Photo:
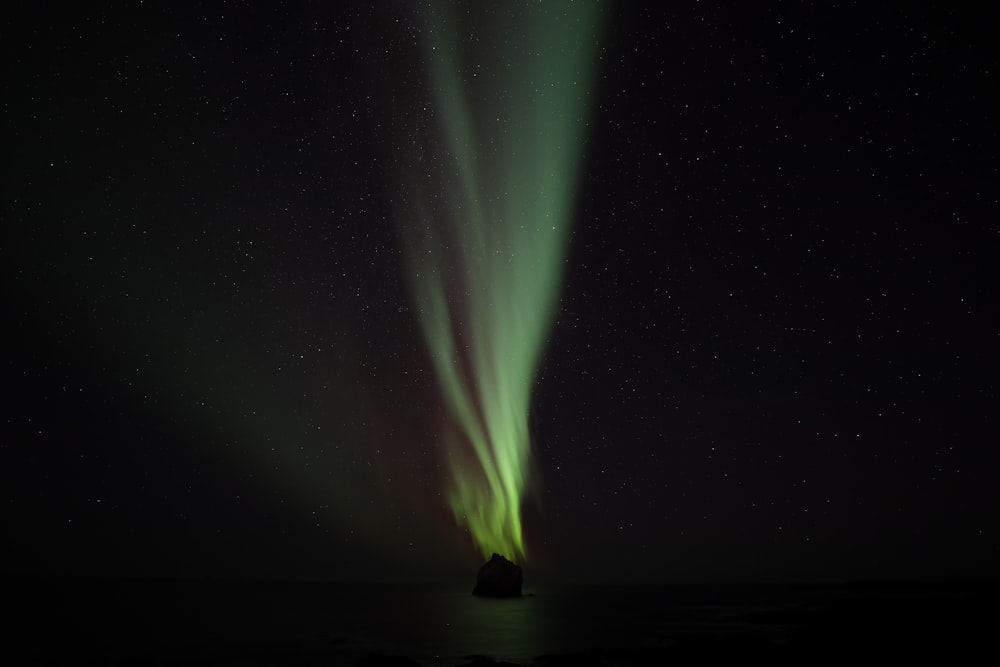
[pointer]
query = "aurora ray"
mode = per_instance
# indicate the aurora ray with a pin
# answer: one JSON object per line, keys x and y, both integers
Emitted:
{"x": 489, "y": 210}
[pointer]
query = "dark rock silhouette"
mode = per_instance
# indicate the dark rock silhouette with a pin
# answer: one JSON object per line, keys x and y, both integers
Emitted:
{"x": 498, "y": 578}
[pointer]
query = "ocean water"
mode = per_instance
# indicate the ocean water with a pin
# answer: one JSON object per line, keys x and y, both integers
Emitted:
{"x": 160, "y": 622}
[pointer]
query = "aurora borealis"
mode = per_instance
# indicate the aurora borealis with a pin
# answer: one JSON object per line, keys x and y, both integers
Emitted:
{"x": 706, "y": 290}
{"x": 487, "y": 236}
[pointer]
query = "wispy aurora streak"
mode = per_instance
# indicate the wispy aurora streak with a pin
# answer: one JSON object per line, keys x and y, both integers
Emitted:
{"x": 491, "y": 201}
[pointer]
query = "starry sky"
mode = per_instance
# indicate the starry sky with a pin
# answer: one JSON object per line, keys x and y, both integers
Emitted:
{"x": 773, "y": 354}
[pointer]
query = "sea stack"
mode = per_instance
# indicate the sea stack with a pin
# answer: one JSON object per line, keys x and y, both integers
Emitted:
{"x": 498, "y": 578}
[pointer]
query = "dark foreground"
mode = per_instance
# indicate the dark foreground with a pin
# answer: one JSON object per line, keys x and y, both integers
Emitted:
{"x": 133, "y": 623}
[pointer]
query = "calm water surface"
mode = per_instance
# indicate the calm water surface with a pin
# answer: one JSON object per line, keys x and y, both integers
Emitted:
{"x": 220, "y": 623}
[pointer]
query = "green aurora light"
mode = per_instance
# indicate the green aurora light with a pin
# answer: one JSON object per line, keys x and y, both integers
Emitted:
{"x": 488, "y": 230}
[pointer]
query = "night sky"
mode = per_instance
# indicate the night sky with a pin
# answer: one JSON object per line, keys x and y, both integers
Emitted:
{"x": 774, "y": 349}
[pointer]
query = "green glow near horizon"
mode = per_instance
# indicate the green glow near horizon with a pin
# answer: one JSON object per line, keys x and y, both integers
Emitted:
{"x": 488, "y": 242}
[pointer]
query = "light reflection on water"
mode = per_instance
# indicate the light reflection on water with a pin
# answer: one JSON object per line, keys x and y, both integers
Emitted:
{"x": 445, "y": 625}
{"x": 514, "y": 629}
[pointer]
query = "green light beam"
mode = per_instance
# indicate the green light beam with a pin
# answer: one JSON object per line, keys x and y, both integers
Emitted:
{"x": 487, "y": 241}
